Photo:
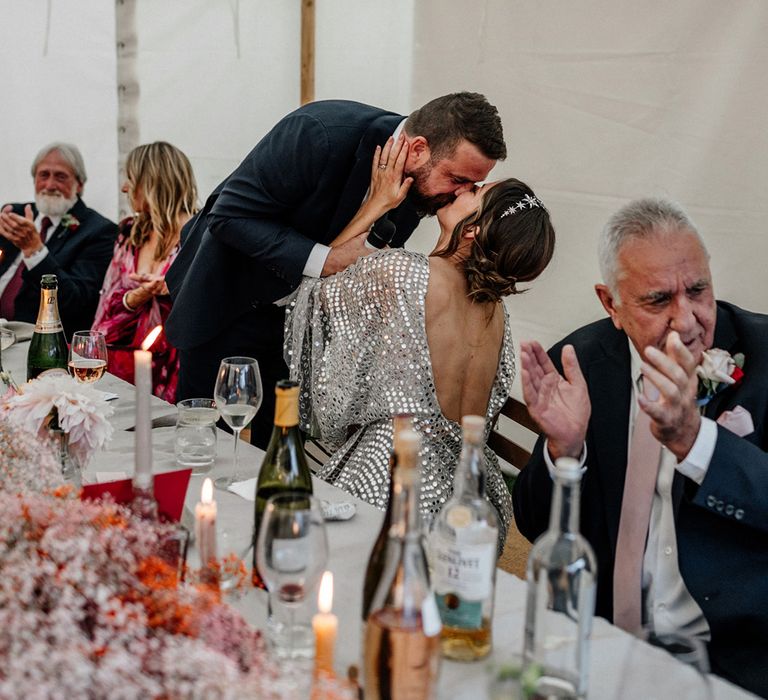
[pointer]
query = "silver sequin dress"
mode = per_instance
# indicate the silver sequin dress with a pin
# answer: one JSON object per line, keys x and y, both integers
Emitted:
{"x": 357, "y": 344}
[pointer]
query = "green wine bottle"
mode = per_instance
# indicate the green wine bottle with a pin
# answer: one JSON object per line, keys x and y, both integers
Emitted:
{"x": 285, "y": 464}
{"x": 48, "y": 348}
{"x": 373, "y": 571}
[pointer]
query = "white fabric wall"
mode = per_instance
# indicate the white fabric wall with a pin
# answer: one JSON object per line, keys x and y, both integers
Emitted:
{"x": 601, "y": 102}
{"x": 57, "y": 83}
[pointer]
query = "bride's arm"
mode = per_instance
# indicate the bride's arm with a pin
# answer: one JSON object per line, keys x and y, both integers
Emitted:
{"x": 388, "y": 188}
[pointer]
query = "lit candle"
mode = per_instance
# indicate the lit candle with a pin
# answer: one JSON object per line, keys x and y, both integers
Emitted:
{"x": 326, "y": 625}
{"x": 205, "y": 533}
{"x": 142, "y": 372}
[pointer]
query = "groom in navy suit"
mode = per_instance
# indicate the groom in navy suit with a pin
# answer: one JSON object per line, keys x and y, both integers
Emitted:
{"x": 270, "y": 222}
{"x": 57, "y": 234}
{"x": 679, "y": 527}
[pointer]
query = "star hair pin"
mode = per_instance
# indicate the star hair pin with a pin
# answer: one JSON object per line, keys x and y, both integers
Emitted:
{"x": 528, "y": 201}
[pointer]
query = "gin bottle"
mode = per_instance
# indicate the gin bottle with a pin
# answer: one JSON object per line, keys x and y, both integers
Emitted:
{"x": 402, "y": 633}
{"x": 561, "y": 596}
{"x": 376, "y": 561}
{"x": 463, "y": 554}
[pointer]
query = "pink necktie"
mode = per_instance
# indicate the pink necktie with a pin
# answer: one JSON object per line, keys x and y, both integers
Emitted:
{"x": 639, "y": 486}
{"x": 11, "y": 291}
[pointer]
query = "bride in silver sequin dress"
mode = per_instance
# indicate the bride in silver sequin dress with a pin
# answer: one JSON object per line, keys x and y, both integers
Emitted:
{"x": 398, "y": 332}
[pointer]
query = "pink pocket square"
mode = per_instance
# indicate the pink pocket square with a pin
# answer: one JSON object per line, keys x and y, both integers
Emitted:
{"x": 738, "y": 421}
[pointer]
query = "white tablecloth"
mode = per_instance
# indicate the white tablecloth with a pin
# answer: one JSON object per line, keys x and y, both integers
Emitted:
{"x": 621, "y": 668}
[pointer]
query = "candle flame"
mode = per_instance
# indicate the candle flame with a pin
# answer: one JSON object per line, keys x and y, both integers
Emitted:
{"x": 325, "y": 596}
{"x": 206, "y": 495}
{"x": 151, "y": 338}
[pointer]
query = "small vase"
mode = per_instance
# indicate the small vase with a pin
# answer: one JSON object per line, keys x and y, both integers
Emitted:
{"x": 70, "y": 465}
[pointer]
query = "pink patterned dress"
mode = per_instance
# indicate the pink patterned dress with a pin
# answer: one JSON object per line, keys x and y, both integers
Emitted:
{"x": 125, "y": 330}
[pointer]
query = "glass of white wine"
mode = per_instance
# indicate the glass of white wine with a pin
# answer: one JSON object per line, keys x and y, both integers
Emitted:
{"x": 238, "y": 395}
{"x": 88, "y": 356}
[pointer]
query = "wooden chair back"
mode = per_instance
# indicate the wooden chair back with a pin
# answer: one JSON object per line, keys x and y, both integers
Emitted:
{"x": 505, "y": 447}
{"x": 516, "y": 549}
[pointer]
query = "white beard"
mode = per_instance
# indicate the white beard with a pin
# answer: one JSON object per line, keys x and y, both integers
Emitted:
{"x": 54, "y": 204}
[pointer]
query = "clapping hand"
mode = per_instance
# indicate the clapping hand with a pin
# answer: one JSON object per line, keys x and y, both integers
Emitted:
{"x": 149, "y": 286}
{"x": 153, "y": 285}
{"x": 20, "y": 230}
{"x": 675, "y": 419}
{"x": 560, "y": 405}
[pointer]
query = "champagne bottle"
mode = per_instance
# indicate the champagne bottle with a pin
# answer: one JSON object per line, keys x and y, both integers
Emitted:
{"x": 402, "y": 633}
{"x": 48, "y": 348}
{"x": 463, "y": 546}
{"x": 375, "y": 567}
{"x": 285, "y": 464}
{"x": 561, "y": 596}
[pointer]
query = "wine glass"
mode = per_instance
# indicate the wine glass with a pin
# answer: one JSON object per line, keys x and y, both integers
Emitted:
{"x": 7, "y": 338}
{"x": 238, "y": 395}
{"x": 88, "y": 356}
{"x": 689, "y": 678}
{"x": 291, "y": 554}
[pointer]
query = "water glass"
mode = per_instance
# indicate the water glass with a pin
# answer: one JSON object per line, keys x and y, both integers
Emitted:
{"x": 195, "y": 439}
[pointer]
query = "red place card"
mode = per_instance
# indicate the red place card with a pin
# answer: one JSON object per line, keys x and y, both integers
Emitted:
{"x": 170, "y": 489}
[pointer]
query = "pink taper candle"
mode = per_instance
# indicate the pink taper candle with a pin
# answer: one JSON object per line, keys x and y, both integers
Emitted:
{"x": 325, "y": 625}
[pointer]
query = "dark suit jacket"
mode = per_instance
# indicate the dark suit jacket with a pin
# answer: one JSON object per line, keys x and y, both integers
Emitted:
{"x": 79, "y": 259}
{"x": 301, "y": 184}
{"x": 722, "y": 525}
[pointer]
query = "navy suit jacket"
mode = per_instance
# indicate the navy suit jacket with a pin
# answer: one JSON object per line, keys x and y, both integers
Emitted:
{"x": 721, "y": 525}
{"x": 300, "y": 185}
{"x": 79, "y": 259}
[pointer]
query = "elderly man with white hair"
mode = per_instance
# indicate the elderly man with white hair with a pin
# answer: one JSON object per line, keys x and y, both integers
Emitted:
{"x": 665, "y": 403}
{"x": 57, "y": 234}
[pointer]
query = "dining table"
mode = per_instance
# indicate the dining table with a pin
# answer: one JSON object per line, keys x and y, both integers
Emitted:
{"x": 621, "y": 667}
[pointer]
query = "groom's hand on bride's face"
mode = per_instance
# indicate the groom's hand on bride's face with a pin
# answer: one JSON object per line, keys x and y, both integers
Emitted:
{"x": 342, "y": 256}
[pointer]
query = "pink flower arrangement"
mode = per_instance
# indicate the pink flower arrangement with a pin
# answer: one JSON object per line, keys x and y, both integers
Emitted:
{"x": 87, "y": 609}
{"x": 27, "y": 462}
{"x": 81, "y": 411}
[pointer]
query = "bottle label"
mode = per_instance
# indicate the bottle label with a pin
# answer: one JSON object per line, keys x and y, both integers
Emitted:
{"x": 456, "y": 612}
{"x": 48, "y": 320}
{"x": 48, "y": 326}
{"x": 430, "y": 616}
{"x": 463, "y": 568}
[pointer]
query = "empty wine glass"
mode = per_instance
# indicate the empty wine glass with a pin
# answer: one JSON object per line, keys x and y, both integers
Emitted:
{"x": 689, "y": 678}
{"x": 7, "y": 338}
{"x": 238, "y": 395}
{"x": 291, "y": 554}
{"x": 88, "y": 356}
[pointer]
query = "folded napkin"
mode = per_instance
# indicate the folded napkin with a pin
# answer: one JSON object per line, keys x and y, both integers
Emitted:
{"x": 21, "y": 329}
{"x": 341, "y": 510}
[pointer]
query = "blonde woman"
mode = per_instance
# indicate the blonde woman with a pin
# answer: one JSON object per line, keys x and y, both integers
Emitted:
{"x": 134, "y": 299}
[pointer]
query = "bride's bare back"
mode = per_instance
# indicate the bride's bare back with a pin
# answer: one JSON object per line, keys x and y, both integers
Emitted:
{"x": 464, "y": 341}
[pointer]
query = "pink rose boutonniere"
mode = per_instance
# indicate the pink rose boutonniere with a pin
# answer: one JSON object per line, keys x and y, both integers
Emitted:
{"x": 717, "y": 370}
{"x": 70, "y": 223}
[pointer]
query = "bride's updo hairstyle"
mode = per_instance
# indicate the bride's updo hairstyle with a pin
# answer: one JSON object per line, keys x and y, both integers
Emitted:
{"x": 514, "y": 241}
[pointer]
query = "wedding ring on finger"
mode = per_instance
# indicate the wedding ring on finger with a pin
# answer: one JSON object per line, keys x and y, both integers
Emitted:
{"x": 382, "y": 166}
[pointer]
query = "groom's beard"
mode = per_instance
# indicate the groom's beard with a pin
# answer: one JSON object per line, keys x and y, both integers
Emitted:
{"x": 426, "y": 205}
{"x": 54, "y": 204}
